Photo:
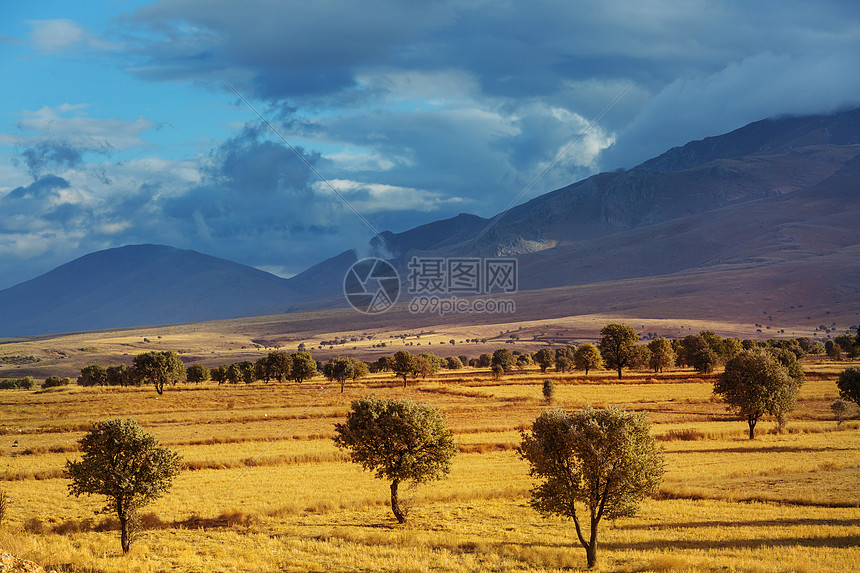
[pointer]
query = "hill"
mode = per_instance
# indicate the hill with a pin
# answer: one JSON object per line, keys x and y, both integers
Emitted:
{"x": 766, "y": 216}
{"x": 139, "y": 285}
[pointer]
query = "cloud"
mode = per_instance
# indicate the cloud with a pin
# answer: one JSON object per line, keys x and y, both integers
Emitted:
{"x": 60, "y": 35}
{"x": 764, "y": 85}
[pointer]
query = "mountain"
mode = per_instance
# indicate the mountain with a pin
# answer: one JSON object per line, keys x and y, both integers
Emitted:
{"x": 139, "y": 285}
{"x": 764, "y": 216}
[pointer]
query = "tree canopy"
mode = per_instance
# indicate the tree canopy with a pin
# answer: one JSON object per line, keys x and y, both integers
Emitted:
{"x": 158, "y": 368}
{"x": 596, "y": 462}
{"x": 617, "y": 342}
{"x": 126, "y": 465}
{"x": 399, "y": 440}
{"x": 756, "y": 382}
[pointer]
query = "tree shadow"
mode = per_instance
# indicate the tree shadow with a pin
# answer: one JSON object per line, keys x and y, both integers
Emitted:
{"x": 756, "y": 523}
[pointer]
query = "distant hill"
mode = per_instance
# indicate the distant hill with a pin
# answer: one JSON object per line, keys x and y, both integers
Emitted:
{"x": 139, "y": 285}
{"x": 764, "y": 216}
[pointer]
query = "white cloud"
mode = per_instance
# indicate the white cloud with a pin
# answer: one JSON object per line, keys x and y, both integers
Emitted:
{"x": 60, "y": 35}
{"x": 375, "y": 197}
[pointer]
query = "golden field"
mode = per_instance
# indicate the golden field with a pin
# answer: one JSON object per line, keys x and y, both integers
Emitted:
{"x": 266, "y": 490}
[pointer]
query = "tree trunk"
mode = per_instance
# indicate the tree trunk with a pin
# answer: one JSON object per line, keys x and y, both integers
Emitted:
{"x": 404, "y": 381}
{"x": 159, "y": 387}
{"x": 619, "y": 372}
{"x": 591, "y": 554}
{"x": 395, "y": 503}
{"x": 752, "y": 422}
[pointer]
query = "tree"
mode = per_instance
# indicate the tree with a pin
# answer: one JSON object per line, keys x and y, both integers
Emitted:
{"x": 398, "y": 439}
{"x": 125, "y": 464}
{"x": 158, "y": 368}
{"x": 279, "y": 364}
{"x": 548, "y": 391}
{"x": 504, "y": 359}
{"x": 640, "y": 357}
{"x": 696, "y": 352}
{"x": 93, "y": 375}
{"x": 604, "y": 460}
{"x": 303, "y": 367}
{"x": 360, "y": 369}
{"x": 339, "y": 368}
{"x": 564, "y": 358}
{"x": 544, "y": 358}
{"x": 662, "y": 355}
{"x": 485, "y": 360}
{"x": 587, "y": 357}
{"x": 219, "y": 374}
{"x": 846, "y": 343}
{"x": 197, "y": 373}
{"x": 428, "y": 364}
{"x": 118, "y": 375}
{"x": 616, "y": 345}
{"x": 849, "y": 385}
{"x": 833, "y": 350}
{"x": 755, "y": 383}
{"x": 453, "y": 363}
{"x": 405, "y": 364}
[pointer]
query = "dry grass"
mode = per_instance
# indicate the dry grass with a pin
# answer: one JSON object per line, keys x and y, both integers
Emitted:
{"x": 270, "y": 492}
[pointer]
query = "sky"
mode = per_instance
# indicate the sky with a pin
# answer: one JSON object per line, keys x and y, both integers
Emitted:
{"x": 120, "y": 121}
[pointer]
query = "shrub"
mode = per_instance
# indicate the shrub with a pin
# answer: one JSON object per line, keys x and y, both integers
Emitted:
{"x": 548, "y": 391}
{"x": 55, "y": 381}
{"x": 840, "y": 408}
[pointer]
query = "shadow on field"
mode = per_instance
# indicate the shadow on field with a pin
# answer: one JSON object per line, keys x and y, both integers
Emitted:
{"x": 843, "y": 541}
{"x": 757, "y": 523}
{"x": 754, "y": 449}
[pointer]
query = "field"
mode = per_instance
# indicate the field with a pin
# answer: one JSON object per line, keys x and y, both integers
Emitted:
{"x": 266, "y": 490}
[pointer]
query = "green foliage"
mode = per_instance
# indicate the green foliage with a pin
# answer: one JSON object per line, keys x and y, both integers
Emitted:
{"x": 25, "y": 383}
{"x": 504, "y": 359}
{"x": 640, "y": 357}
{"x": 564, "y": 358}
{"x": 697, "y": 353}
{"x": 484, "y": 360}
{"x": 617, "y": 344}
{"x": 849, "y": 385}
{"x": 587, "y": 357}
{"x": 399, "y": 440}
{"x": 545, "y": 358}
{"x": 548, "y": 391}
{"x": 158, "y": 368}
{"x": 840, "y": 409}
{"x": 599, "y": 462}
{"x": 197, "y": 373}
{"x": 120, "y": 375}
{"x": 453, "y": 363}
{"x": 303, "y": 367}
{"x": 428, "y": 364}
{"x": 756, "y": 382}
{"x": 93, "y": 375}
{"x": 339, "y": 368}
{"x": 662, "y": 355}
{"x": 55, "y": 381}
{"x": 126, "y": 465}
{"x": 405, "y": 365}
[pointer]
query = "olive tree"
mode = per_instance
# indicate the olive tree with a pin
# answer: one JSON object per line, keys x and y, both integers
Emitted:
{"x": 198, "y": 373}
{"x": 544, "y": 358}
{"x": 662, "y": 355}
{"x": 339, "y": 368}
{"x": 302, "y": 367}
{"x": 591, "y": 463}
{"x": 587, "y": 357}
{"x": 405, "y": 364}
{"x": 617, "y": 343}
{"x": 398, "y": 439}
{"x": 849, "y": 385}
{"x": 756, "y": 382}
{"x": 158, "y": 368}
{"x": 126, "y": 465}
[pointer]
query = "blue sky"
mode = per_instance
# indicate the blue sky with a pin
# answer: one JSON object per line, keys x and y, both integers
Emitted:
{"x": 117, "y": 125}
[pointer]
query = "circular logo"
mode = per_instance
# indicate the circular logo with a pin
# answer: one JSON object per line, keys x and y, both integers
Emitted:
{"x": 371, "y": 286}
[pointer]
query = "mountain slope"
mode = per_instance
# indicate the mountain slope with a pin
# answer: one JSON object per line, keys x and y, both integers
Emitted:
{"x": 138, "y": 285}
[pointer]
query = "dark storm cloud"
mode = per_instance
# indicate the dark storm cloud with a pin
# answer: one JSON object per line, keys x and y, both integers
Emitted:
{"x": 51, "y": 155}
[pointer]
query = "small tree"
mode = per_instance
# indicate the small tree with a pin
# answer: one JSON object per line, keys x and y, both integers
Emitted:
{"x": 849, "y": 385}
{"x": 755, "y": 383}
{"x": 197, "y": 373}
{"x": 696, "y": 352}
{"x": 339, "y": 368}
{"x": 548, "y": 391}
{"x": 587, "y": 357}
{"x": 603, "y": 460}
{"x": 662, "y": 355}
{"x": 544, "y": 358}
{"x": 405, "y": 364}
{"x": 302, "y": 367}
{"x": 158, "y": 368}
{"x": 428, "y": 364}
{"x": 616, "y": 345}
{"x": 564, "y": 358}
{"x": 93, "y": 375}
{"x": 504, "y": 359}
{"x": 840, "y": 408}
{"x": 398, "y": 439}
{"x": 125, "y": 464}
